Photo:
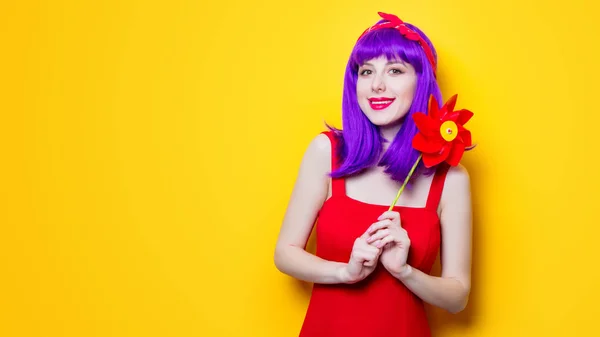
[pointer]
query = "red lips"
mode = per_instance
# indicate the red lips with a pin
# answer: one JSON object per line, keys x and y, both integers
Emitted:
{"x": 380, "y": 103}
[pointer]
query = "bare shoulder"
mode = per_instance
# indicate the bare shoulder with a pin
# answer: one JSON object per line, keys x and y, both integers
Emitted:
{"x": 320, "y": 146}
{"x": 458, "y": 177}
{"x": 318, "y": 152}
{"x": 457, "y": 185}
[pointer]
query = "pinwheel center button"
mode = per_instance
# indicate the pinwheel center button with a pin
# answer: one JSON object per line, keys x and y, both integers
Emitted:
{"x": 449, "y": 130}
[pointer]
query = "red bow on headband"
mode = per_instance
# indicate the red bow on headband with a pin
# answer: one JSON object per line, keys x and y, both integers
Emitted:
{"x": 395, "y": 22}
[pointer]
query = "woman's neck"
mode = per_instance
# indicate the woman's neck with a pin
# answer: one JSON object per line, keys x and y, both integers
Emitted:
{"x": 389, "y": 132}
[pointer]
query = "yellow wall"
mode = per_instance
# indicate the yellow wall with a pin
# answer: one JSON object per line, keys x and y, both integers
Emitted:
{"x": 149, "y": 148}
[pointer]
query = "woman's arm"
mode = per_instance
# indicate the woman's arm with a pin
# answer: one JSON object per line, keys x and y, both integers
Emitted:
{"x": 309, "y": 193}
{"x": 451, "y": 290}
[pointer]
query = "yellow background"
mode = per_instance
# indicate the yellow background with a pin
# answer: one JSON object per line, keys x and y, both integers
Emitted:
{"x": 149, "y": 148}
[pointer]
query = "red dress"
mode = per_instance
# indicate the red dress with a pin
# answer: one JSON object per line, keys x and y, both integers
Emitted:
{"x": 380, "y": 305}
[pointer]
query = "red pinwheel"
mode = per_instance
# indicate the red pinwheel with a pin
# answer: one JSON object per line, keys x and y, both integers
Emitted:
{"x": 442, "y": 136}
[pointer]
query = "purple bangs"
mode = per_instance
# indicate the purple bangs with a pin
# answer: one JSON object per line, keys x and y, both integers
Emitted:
{"x": 360, "y": 140}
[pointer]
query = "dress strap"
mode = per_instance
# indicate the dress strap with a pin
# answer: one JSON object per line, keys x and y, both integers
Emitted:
{"x": 338, "y": 185}
{"x": 437, "y": 186}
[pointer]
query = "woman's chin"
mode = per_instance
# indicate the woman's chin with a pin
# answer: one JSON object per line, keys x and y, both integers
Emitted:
{"x": 386, "y": 123}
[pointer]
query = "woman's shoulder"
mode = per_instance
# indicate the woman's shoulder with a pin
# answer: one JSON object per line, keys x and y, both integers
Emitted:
{"x": 319, "y": 150}
{"x": 323, "y": 142}
{"x": 457, "y": 175}
{"x": 457, "y": 184}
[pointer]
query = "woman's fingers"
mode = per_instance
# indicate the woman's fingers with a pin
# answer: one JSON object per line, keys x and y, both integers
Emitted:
{"x": 368, "y": 253}
{"x": 378, "y": 225}
{"x": 386, "y": 240}
{"x": 369, "y": 263}
{"x": 380, "y": 234}
{"x": 365, "y": 251}
{"x": 366, "y": 257}
{"x": 389, "y": 215}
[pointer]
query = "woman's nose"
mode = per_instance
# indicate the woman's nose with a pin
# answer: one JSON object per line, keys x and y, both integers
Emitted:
{"x": 378, "y": 85}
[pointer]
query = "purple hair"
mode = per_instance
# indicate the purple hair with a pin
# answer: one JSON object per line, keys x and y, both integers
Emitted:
{"x": 360, "y": 141}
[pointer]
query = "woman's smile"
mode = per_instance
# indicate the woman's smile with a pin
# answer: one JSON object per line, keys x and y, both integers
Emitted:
{"x": 380, "y": 103}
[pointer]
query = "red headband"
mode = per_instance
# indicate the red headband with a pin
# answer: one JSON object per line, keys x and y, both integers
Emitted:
{"x": 394, "y": 22}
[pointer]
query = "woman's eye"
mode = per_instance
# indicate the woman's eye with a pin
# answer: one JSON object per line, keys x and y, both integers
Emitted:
{"x": 396, "y": 71}
{"x": 365, "y": 72}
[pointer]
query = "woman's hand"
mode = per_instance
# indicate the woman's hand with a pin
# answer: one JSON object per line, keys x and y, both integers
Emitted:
{"x": 363, "y": 260}
{"x": 388, "y": 234}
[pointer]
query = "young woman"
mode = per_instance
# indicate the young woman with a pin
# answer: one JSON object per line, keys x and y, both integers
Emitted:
{"x": 371, "y": 267}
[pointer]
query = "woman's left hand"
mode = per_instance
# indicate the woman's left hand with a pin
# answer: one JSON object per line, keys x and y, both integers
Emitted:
{"x": 388, "y": 233}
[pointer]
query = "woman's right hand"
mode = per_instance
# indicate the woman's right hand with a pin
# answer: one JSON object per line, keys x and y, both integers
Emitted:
{"x": 363, "y": 260}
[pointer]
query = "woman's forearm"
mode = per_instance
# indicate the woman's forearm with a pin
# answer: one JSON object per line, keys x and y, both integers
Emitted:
{"x": 447, "y": 293}
{"x": 300, "y": 264}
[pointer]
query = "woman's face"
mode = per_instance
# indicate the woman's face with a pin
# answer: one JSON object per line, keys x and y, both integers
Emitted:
{"x": 385, "y": 90}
